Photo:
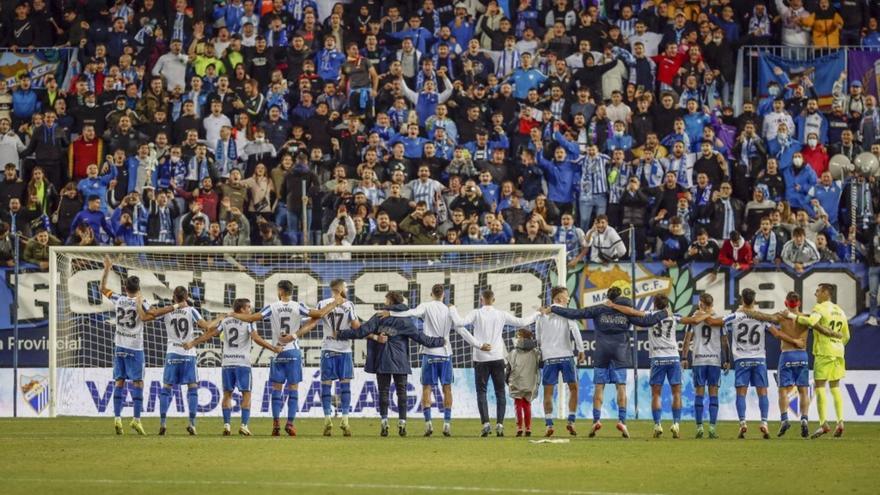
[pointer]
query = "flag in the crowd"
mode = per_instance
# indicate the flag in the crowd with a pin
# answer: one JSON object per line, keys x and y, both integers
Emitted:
{"x": 822, "y": 71}
{"x": 863, "y": 66}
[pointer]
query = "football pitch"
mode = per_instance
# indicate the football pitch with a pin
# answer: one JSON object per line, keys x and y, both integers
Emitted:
{"x": 78, "y": 455}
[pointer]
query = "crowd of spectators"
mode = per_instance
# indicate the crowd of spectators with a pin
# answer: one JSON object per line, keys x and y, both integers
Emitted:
{"x": 243, "y": 122}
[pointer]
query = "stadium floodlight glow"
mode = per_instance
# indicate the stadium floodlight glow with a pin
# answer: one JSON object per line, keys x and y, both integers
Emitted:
{"x": 81, "y": 322}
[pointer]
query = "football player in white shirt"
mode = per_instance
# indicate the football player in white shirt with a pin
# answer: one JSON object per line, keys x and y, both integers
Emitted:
{"x": 749, "y": 360}
{"x": 711, "y": 352}
{"x": 336, "y": 361}
{"x": 489, "y": 326}
{"x": 237, "y": 336}
{"x": 128, "y": 355}
{"x": 180, "y": 359}
{"x": 437, "y": 361}
{"x": 285, "y": 317}
{"x": 555, "y": 336}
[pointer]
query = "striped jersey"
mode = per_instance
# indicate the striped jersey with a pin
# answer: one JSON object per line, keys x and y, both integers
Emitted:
{"x": 129, "y": 327}
{"x": 707, "y": 344}
{"x": 284, "y": 318}
{"x": 339, "y": 318}
{"x": 661, "y": 337}
{"x": 594, "y": 174}
{"x": 748, "y": 334}
{"x": 180, "y": 326}
{"x": 236, "y": 337}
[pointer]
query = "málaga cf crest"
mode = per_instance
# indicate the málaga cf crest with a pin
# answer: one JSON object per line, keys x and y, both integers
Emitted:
{"x": 35, "y": 390}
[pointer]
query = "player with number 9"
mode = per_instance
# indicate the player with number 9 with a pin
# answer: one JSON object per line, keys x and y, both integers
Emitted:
{"x": 711, "y": 352}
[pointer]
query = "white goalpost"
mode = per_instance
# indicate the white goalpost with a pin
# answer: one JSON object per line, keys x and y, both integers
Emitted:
{"x": 81, "y": 322}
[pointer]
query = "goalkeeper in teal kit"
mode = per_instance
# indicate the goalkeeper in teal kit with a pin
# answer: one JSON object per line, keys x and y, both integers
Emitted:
{"x": 611, "y": 357}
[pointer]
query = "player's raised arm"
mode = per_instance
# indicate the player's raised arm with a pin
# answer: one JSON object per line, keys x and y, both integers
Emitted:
{"x": 417, "y": 312}
{"x": 108, "y": 265}
{"x": 515, "y": 321}
{"x": 248, "y": 317}
{"x": 827, "y": 331}
{"x": 573, "y": 313}
{"x": 758, "y": 315}
{"x": 628, "y": 311}
{"x": 142, "y": 312}
{"x": 317, "y": 314}
{"x": 164, "y": 310}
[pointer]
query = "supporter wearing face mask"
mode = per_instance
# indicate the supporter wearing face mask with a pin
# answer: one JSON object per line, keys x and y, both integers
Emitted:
{"x": 798, "y": 181}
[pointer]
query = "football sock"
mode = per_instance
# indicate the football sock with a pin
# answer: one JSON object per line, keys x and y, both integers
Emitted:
{"x": 345, "y": 396}
{"x": 164, "y": 403}
{"x": 118, "y": 397}
{"x": 741, "y": 407}
{"x": 820, "y": 404}
{"x": 192, "y": 401}
{"x": 698, "y": 409}
{"x": 137, "y": 397}
{"x": 764, "y": 406}
{"x": 713, "y": 409}
{"x": 326, "y": 399}
{"x": 838, "y": 403}
{"x": 292, "y": 404}
{"x": 276, "y": 404}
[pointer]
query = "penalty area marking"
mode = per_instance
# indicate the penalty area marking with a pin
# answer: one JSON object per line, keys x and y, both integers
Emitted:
{"x": 295, "y": 484}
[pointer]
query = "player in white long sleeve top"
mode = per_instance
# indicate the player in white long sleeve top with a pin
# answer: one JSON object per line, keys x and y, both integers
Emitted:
{"x": 489, "y": 324}
{"x": 559, "y": 340}
{"x": 436, "y": 361}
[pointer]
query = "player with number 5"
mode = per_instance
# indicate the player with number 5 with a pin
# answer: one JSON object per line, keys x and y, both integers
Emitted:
{"x": 285, "y": 317}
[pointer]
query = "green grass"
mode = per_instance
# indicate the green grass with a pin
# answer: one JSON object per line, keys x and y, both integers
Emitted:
{"x": 75, "y": 455}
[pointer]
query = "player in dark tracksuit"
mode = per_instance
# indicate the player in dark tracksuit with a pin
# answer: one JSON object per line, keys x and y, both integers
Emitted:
{"x": 389, "y": 357}
{"x": 612, "y": 355}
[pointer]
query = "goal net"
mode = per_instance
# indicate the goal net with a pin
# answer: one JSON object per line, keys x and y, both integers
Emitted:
{"x": 81, "y": 370}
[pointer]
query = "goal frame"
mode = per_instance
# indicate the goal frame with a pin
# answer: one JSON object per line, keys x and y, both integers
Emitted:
{"x": 54, "y": 251}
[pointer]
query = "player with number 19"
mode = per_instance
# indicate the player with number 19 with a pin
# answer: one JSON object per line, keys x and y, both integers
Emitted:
{"x": 180, "y": 358}
{"x": 128, "y": 357}
{"x": 749, "y": 360}
{"x": 665, "y": 363}
{"x": 237, "y": 336}
{"x": 285, "y": 317}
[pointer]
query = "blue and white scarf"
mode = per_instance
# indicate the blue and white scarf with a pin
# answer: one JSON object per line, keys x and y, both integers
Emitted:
{"x": 225, "y": 157}
{"x": 765, "y": 248}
